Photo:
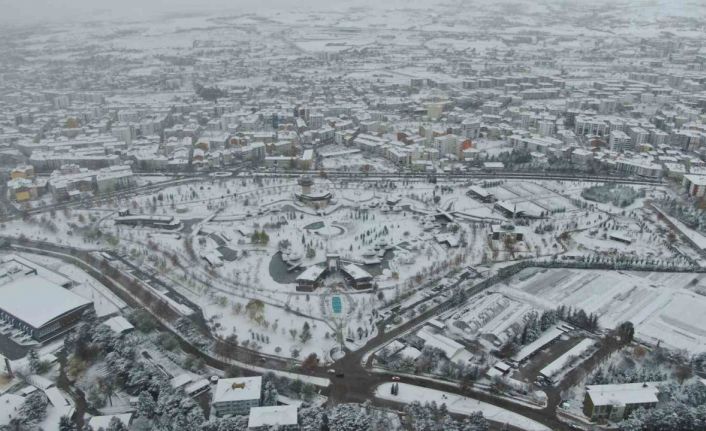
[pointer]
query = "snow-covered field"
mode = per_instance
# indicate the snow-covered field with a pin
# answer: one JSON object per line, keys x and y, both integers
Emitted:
{"x": 664, "y": 307}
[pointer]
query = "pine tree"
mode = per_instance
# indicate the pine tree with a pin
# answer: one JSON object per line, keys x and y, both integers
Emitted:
{"x": 306, "y": 333}
{"x": 33, "y": 360}
{"x": 270, "y": 395}
{"x": 145, "y": 405}
{"x": 66, "y": 424}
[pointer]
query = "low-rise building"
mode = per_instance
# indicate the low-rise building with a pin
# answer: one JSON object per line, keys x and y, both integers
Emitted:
{"x": 233, "y": 397}
{"x": 616, "y": 402}
{"x": 284, "y": 418}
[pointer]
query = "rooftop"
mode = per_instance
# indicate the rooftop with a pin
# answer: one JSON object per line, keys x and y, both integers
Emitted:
{"x": 272, "y": 416}
{"x": 38, "y": 301}
{"x": 623, "y": 394}
{"x": 237, "y": 389}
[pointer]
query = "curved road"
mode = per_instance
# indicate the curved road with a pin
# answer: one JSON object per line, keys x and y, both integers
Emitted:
{"x": 359, "y": 381}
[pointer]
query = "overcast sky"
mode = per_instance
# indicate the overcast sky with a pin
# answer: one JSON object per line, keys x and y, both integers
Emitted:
{"x": 24, "y": 11}
{"x": 31, "y": 11}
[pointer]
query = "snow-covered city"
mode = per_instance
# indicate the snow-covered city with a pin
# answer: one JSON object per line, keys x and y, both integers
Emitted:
{"x": 418, "y": 215}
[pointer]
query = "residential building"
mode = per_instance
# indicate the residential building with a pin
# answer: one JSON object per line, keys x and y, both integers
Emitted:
{"x": 236, "y": 396}
{"x": 283, "y": 418}
{"x": 616, "y": 402}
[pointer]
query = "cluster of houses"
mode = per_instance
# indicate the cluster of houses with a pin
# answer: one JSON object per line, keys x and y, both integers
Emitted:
{"x": 70, "y": 181}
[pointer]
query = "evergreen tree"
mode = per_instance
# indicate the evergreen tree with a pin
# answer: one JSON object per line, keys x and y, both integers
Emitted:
{"x": 33, "y": 360}
{"x": 270, "y": 394}
{"x": 306, "y": 333}
{"x": 66, "y": 424}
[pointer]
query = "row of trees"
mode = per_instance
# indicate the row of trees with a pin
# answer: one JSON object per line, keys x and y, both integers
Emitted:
{"x": 433, "y": 417}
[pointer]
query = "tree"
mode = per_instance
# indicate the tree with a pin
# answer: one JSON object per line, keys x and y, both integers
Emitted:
{"x": 34, "y": 408}
{"x": 146, "y": 406}
{"x": 310, "y": 362}
{"x": 269, "y": 395}
{"x": 306, "y": 333}
{"x": 116, "y": 425}
{"x": 66, "y": 424}
{"x": 33, "y": 360}
{"x": 626, "y": 331}
{"x": 108, "y": 387}
{"x": 255, "y": 309}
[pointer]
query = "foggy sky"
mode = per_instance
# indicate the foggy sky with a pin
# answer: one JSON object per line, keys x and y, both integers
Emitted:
{"x": 23, "y": 12}
{"x": 29, "y": 11}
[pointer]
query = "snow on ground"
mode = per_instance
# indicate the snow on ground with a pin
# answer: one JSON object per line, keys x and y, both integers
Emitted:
{"x": 693, "y": 235}
{"x": 492, "y": 314}
{"x": 457, "y": 404}
{"x": 664, "y": 307}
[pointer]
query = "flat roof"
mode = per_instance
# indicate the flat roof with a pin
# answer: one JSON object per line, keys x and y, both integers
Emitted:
{"x": 197, "y": 386}
{"x": 562, "y": 361}
{"x": 494, "y": 164}
{"x": 37, "y": 301}
{"x": 272, "y": 416}
{"x": 623, "y": 394}
{"x": 237, "y": 389}
{"x": 41, "y": 271}
{"x": 548, "y": 336}
{"x": 119, "y": 324}
{"x": 181, "y": 380}
{"x": 699, "y": 180}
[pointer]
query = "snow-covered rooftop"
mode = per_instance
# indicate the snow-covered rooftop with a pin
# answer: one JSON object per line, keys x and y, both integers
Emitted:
{"x": 546, "y": 337}
{"x": 312, "y": 273}
{"x": 272, "y": 416}
{"x": 562, "y": 361}
{"x": 38, "y": 301}
{"x": 119, "y": 324}
{"x": 356, "y": 272}
{"x": 623, "y": 394}
{"x": 441, "y": 342}
{"x": 237, "y": 389}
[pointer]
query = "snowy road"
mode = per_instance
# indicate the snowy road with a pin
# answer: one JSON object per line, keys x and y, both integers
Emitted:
{"x": 457, "y": 404}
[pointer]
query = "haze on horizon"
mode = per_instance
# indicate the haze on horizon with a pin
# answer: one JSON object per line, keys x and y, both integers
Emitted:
{"x": 53, "y": 11}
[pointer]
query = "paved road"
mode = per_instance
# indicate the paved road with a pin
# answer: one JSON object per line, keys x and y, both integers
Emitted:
{"x": 359, "y": 381}
{"x": 473, "y": 175}
{"x": 12, "y": 212}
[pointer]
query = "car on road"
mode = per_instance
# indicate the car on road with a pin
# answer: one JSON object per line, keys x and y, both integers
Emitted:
{"x": 395, "y": 379}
